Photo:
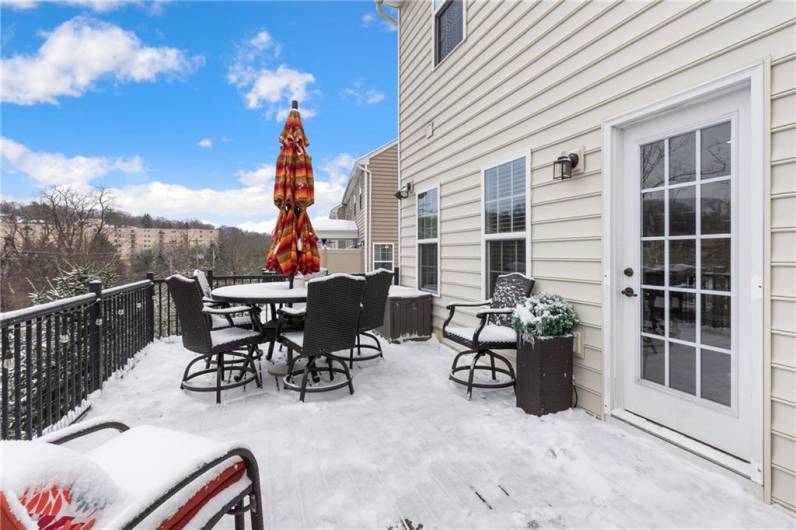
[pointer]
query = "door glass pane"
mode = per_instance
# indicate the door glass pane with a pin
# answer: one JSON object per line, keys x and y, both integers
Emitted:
{"x": 652, "y": 214}
{"x": 682, "y": 316}
{"x": 716, "y": 265}
{"x": 652, "y": 262}
{"x": 682, "y": 215}
{"x": 716, "y": 208}
{"x": 652, "y": 165}
{"x": 682, "y": 367}
{"x": 653, "y": 311}
{"x": 715, "y": 151}
{"x": 715, "y": 373}
{"x": 653, "y": 356}
{"x": 716, "y": 321}
{"x": 682, "y": 263}
{"x": 682, "y": 158}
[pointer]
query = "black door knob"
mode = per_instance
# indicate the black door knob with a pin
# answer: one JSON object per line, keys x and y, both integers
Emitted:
{"x": 628, "y": 291}
{"x": 628, "y": 272}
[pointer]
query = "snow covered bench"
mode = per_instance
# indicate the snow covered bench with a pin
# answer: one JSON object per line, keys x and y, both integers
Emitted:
{"x": 145, "y": 477}
{"x": 407, "y": 315}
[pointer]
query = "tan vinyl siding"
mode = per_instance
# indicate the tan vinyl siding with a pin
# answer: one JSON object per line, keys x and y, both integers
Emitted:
{"x": 383, "y": 168}
{"x": 537, "y": 78}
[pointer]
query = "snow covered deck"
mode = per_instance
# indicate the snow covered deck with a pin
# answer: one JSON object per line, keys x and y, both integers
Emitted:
{"x": 408, "y": 449}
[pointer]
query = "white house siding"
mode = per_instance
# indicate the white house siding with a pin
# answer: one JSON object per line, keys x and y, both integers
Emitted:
{"x": 541, "y": 77}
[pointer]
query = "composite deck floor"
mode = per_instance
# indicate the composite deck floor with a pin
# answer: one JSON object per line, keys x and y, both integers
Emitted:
{"x": 407, "y": 449}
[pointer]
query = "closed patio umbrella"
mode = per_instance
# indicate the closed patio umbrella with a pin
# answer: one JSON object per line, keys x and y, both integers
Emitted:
{"x": 294, "y": 245}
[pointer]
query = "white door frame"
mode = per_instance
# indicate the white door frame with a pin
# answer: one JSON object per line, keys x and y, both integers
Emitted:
{"x": 754, "y": 77}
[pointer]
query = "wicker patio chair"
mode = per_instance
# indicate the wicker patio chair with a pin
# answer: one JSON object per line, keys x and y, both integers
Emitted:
{"x": 145, "y": 477}
{"x": 331, "y": 323}
{"x": 221, "y": 346}
{"x": 219, "y": 321}
{"x": 494, "y": 332}
{"x": 377, "y": 288}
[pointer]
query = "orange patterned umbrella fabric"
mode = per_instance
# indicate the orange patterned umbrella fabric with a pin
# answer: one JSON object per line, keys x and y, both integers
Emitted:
{"x": 294, "y": 245}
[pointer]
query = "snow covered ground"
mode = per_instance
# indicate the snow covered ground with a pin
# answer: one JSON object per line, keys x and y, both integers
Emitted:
{"x": 407, "y": 449}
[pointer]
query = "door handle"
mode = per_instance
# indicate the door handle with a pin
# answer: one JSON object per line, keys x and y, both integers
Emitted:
{"x": 629, "y": 292}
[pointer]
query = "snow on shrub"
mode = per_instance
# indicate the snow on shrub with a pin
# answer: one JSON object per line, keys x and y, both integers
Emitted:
{"x": 544, "y": 315}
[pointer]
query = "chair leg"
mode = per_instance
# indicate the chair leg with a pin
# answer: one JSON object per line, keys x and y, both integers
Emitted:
{"x": 310, "y": 362}
{"x": 459, "y": 356}
{"x": 219, "y": 375}
{"x": 256, "y": 511}
{"x": 492, "y": 360}
{"x": 471, "y": 374}
{"x": 270, "y": 350}
{"x": 359, "y": 346}
{"x": 348, "y": 376}
{"x": 240, "y": 517}
{"x": 351, "y": 357}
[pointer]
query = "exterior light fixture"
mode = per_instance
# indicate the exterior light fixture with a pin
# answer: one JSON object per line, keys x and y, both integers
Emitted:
{"x": 404, "y": 192}
{"x": 563, "y": 166}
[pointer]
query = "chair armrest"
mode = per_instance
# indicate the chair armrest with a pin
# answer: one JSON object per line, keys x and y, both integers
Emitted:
{"x": 495, "y": 311}
{"x": 226, "y": 310}
{"x": 292, "y": 312}
{"x": 469, "y": 304}
{"x": 81, "y": 429}
{"x": 211, "y": 461}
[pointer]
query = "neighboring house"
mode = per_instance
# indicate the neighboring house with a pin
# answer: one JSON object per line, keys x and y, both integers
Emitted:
{"x": 682, "y": 115}
{"x": 369, "y": 200}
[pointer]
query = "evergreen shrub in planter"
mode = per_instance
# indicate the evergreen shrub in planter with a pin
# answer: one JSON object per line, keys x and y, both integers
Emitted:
{"x": 544, "y": 324}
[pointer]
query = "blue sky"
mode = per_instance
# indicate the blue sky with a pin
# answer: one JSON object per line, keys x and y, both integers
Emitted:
{"x": 176, "y": 106}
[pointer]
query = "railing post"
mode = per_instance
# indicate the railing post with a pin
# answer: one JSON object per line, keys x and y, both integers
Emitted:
{"x": 94, "y": 326}
{"x": 209, "y": 275}
{"x": 150, "y": 307}
{"x": 396, "y": 277}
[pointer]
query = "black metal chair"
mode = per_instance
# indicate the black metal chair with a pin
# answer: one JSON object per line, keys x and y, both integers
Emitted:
{"x": 494, "y": 332}
{"x": 377, "y": 288}
{"x": 331, "y": 323}
{"x": 220, "y": 346}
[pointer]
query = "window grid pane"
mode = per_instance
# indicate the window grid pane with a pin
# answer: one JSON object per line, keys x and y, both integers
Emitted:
{"x": 449, "y": 27}
{"x": 427, "y": 265}
{"x": 504, "y": 198}
{"x": 427, "y": 215}
{"x": 503, "y": 257}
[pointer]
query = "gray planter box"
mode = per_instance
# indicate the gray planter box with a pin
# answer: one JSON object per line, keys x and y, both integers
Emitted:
{"x": 407, "y": 315}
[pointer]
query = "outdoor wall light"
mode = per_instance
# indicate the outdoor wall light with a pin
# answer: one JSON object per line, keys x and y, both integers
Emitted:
{"x": 404, "y": 192}
{"x": 562, "y": 167}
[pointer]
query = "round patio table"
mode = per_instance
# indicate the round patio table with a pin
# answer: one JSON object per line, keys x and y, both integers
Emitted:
{"x": 261, "y": 293}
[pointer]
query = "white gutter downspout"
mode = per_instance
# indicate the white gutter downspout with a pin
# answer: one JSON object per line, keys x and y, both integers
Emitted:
{"x": 386, "y": 16}
{"x": 368, "y": 204}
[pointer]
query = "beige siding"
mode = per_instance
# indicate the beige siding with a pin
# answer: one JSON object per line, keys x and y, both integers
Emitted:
{"x": 383, "y": 227}
{"x": 539, "y": 77}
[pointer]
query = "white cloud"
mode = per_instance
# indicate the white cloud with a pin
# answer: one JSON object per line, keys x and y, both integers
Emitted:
{"x": 338, "y": 168}
{"x": 250, "y": 207}
{"x": 266, "y": 86}
{"x": 205, "y": 143}
{"x": 262, "y": 176}
{"x": 99, "y": 6}
{"x": 361, "y": 95}
{"x": 80, "y": 52}
{"x": 55, "y": 169}
{"x": 369, "y": 20}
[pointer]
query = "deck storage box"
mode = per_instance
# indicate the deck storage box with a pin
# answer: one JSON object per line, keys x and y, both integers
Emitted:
{"x": 407, "y": 315}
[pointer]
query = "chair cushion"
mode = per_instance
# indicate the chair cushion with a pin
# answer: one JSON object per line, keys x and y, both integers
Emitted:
{"x": 46, "y": 485}
{"x": 220, "y": 321}
{"x": 490, "y": 335}
{"x": 294, "y": 337}
{"x": 230, "y": 338}
{"x": 146, "y": 461}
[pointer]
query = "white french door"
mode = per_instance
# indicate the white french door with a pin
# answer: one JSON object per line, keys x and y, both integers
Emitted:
{"x": 690, "y": 255}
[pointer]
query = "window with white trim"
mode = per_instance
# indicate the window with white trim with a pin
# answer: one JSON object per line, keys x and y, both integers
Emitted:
{"x": 383, "y": 256}
{"x": 428, "y": 240}
{"x": 448, "y": 27}
{"x": 504, "y": 220}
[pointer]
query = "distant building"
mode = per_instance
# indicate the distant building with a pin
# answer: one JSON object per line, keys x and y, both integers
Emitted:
{"x": 128, "y": 240}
